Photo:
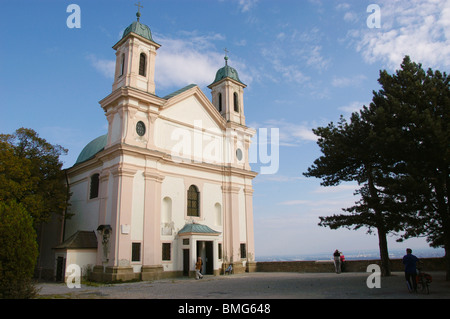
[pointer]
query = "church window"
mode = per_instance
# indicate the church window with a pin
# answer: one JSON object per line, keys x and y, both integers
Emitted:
{"x": 220, "y": 102}
{"x": 140, "y": 128}
{"x": 236, "y": 102}
{"x": 239, "y": 154}
{"x": 218, "y": 213}
{"x": 166, "y": 251}
{"x": 136, "y": 252}
{"x": 219, "y": 255}
{"x": 93, "y": 193}
{"x": 193, "y": 201}
{"x": 243, "y": 251}
{"x": 122, "y": 64}
{"x": 142, "y": 64}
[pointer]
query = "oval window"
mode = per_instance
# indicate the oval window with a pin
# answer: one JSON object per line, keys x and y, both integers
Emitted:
{"x": 140, "y": 128}
{"x": 239, "y": 154}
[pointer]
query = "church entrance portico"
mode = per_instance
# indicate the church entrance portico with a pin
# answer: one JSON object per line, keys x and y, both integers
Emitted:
{"x": 206, "y": 252}
{"x": 199, "y": 241}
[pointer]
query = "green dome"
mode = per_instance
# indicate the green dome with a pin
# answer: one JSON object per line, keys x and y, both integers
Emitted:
{"x": 90, "y": 150}
{"x": 227, "y": 72}
{"x": 139, "y": 29}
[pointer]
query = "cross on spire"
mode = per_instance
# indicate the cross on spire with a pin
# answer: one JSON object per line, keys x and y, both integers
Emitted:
{"x": 138, "y": 14}
{"x": 226, "y": 56}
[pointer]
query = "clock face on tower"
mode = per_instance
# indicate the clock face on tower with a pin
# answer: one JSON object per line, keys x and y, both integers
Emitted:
{"x": 140, "y": 128}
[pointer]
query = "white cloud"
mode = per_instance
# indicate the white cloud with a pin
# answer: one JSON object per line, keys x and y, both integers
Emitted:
{"x": 193, "y": 59}
{"x": 353, "y": 107}
{"x": 342, "y": 6}
{"x": 418, "y": 28}
{"x": 291, "y": 134}
{"x": 288, "y": 71}
{"x": 351, "y": 16}
{"x": 279, "y": 178}
{"x": 104, "y": 66}
{"x": 189, "y": 58}
{"x": 341, "y": 82}
{"x": 246, "y": 5}
{"x": 316, "y": 60}
{"x": 336, "y": 189}
{"x": 184, "y": 61}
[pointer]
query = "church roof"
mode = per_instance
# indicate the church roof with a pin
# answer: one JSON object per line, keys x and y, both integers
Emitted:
{"x": 80, "y": 240}
{"x": 197, "y": 229}
{"x": 226, "y": 72}
{"x": 140, "y": 29}
{"x": 90, "y": 150}
{"x": 190, "y": 86}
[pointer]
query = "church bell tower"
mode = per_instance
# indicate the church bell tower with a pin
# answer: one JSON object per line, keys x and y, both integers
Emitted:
{"x": 228, "y": 94}
{"x": 135, "y": 58}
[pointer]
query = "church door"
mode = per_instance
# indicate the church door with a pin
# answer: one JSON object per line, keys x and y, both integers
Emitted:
{"x": 60, "y": 268}
{"x": 205, "y": 251}
{"x": 185, "y": 262}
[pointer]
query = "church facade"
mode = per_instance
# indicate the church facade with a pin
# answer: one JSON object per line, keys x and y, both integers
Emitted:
{"x": 168, "y": 183}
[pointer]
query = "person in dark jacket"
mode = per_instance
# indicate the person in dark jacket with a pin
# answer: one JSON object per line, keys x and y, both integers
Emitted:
{"x": 410, "y": 261}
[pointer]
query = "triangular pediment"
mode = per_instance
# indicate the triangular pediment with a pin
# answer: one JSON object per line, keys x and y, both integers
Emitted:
{"x": 190, "y": 105}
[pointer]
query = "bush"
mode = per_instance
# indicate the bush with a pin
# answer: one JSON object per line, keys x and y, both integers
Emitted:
{"x": 18, "y": 251}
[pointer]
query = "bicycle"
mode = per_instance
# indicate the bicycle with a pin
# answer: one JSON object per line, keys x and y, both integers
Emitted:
{"x": 423, "y": 280}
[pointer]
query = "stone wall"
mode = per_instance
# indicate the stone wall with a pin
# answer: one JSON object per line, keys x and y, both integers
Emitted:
{"x": 429, "y": 264}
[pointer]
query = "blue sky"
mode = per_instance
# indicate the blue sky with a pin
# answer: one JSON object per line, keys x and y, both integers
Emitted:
{"x": 305, "y": 62}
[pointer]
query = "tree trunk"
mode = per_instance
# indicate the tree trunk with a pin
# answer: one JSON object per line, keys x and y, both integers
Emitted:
{"x": 447, "y": 264}
{"x": 384, "y": 253}
{"x": 382, "y": 241}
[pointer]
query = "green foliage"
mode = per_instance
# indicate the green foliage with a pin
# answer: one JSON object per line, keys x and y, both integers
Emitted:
{"x": 31, "y": 174}
{"x": 18, "y": 251}
{"x": 398, "y": 150}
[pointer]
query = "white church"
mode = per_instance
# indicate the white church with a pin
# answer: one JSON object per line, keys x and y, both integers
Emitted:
{"x": 169, "y": 182}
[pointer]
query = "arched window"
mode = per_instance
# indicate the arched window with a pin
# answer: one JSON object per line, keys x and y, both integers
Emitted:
{"x": 93, "y": 192}
{"x": 193, "y": 201}
{"x": 122, "y": 64}
{"x": 142, "y": 64}
{"x": 218, "y": 213}
{"x": 166, "y": 216}
{"x": 220, "y": 102}
{"x": 236, "y": 102}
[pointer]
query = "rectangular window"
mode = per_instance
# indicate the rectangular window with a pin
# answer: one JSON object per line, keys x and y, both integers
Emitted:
{"x": 142, "y": 64}
{"x": 166, "y": 251}
{"x": 136, "y": 252}
{"x": 186, "y": 241}
{"x": 220, "y": 251}
{"x": 95, "y": 183}
{"x": 243, "y": 251}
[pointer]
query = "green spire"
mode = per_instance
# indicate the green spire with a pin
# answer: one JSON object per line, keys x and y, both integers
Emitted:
{"x": 226, "y": 72}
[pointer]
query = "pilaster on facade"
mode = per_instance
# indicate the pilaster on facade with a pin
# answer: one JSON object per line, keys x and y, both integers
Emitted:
{"x": 152, "y": 259}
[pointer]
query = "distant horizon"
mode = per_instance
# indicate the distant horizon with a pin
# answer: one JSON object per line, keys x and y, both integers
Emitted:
{"x": 421, "y": 252}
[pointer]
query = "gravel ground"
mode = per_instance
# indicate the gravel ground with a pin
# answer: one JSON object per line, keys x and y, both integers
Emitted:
{"x": 254, "y": 286}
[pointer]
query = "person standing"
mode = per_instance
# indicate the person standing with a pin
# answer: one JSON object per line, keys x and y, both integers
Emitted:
{"x": 410, "y": 261}
{"x": 337, "y": 261}
{"x": 342, "y": 257}
{"x": 198, "y": 268}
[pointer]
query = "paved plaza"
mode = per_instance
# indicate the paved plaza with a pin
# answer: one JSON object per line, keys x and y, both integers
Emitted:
{"x": 254, "y": 286}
